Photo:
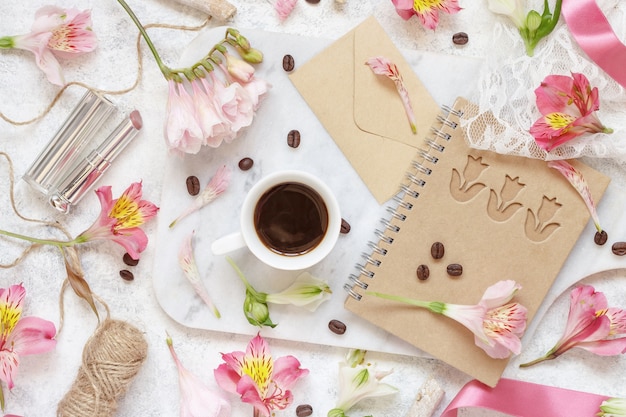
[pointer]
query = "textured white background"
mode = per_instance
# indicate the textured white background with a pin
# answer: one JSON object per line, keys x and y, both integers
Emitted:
{"x": 44, "y": 379}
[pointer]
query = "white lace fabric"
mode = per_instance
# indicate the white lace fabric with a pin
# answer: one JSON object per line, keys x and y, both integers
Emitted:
{"x": 506, "y": 108}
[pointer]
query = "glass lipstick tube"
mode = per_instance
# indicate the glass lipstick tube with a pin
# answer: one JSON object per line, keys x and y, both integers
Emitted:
{"x": 88, "y": 171}
{"x": 66, "y": 145}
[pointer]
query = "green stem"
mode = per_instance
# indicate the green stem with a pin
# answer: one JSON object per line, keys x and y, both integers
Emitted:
{"x": 547, "y": 357}
{"x": 242, "y": 277}
{"x": 434, "y": 306}
{"x": 167, "y": 72}
{"x": 57, "y": 243}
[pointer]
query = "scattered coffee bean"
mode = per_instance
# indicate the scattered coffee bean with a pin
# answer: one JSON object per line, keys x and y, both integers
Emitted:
{"x": 127, "y": 275}
{"x": 454, "y": 270}
{"x": 293, "y": 138}
{"x": 600, "y": 238}
{"x": 313, "y": 1}
{"x": 337, "y": 326}
{"x": 193, "y": 185}
{"x": 437, "y": 250}
{"x": 304, "y": 410}
{"x": 619, "y": 248}
{"x": 345, "y": 226}
{"x": 245, "y": 164}
{"x": 460, "y": 38}
{"x": 128, "y": 260}
{"x": 423, "y": 272}
{"x": 288, "y": 63}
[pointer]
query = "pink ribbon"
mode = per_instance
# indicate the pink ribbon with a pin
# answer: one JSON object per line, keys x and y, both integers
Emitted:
{"x": 525, "y": 399}
{"x": 594, "y": 34}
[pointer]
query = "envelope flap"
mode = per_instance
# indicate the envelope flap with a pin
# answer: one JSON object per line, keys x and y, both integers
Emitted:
{"x": 378, "y": 108}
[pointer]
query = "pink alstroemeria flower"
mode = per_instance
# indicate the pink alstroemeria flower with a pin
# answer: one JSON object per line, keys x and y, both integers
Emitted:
{"x": 183, "y": 133}
{"x": 591, "y": 325}
{"x": 497, "y": 324}
{"x": 196, "y": 399}
{"x": 568, "y": 106}
{"x": 259, "y": 379}
{"x": 20, "y": 336}
{"x": 382, "y": 66}
{"x": 426, "y": 10}
{"x": 577, "y": 180}
{"x": 55, "y": 32}
{"x": 120, "y": 219}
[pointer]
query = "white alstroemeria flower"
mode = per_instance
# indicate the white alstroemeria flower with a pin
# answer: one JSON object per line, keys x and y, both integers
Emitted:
{"x": 358, "y": 381}
{"x": 306, "y": 291}
{"x": 514, "y": 9}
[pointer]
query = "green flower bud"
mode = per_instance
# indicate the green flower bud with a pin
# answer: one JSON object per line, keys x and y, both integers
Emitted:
{"x": 533, "y": 21}
{"x": 251, "y": 56}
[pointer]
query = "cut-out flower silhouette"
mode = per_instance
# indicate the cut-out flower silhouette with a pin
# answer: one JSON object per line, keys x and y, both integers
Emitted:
{"x": 56, "y": 32}
{"x": 568, "y": 106}
{"x": 20, "y": 336}
{"x": 591, "y": 325}
{"x": 496, "y": 323}
{"x": 260, "y": 380}
{"x": 427, "y": 11}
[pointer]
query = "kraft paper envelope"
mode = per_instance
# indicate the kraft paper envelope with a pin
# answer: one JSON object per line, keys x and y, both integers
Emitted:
{"x": 363, "y": 111}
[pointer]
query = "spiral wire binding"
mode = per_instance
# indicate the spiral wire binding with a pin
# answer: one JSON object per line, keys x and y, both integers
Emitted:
{"x": 378, "y": 249}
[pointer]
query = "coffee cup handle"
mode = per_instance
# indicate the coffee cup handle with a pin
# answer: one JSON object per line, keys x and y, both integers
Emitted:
{"x": 228, "y": 243}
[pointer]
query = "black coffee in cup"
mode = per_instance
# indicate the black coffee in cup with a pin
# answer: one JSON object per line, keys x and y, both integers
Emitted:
{"x": 291, "y": 218}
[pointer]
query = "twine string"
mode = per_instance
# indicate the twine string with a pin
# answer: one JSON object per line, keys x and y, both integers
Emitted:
{"x": 101, "y": 91}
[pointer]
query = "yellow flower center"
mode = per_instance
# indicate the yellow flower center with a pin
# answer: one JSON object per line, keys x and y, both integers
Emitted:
{"x": 260, "y": 370}
{"x": 127, "y": 213}
{"x": 421, "y": 6}
{"x": 559, "y": 121}
{"x": 9, "y": 316}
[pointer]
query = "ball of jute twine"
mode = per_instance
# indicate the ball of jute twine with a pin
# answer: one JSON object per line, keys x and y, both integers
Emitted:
{"x": 111, "y": 358}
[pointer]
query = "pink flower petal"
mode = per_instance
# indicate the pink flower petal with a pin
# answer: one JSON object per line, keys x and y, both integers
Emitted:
{"x": 382, "y": 66}
{"x": 579, "y": 183}
{"x": 284, "y": 8}
{"x": 32, "y": 335}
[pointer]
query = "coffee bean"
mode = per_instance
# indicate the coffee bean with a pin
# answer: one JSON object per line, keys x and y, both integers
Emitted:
{"x": 337, "y": 326}
{"x": 423, "y": 272}
{"x": 193, "y": 185}
{"x": 245, "y": 164}
{"x": 313, "y": 1}
{"x": 619, "y": 248}
{"x": 293, "y": 138}
{"x": 288, "y": 63}
{"x": 127, "y": 275}
{"x": 345, "y": 226}
{"x": 600, "y": 238}
{"x": 460, "y": 38}
{"x": 304, "y": 410}
{"x": 128, "y": 260}
{"x": 454, "y": 270}
{"x": 437, "y": 250}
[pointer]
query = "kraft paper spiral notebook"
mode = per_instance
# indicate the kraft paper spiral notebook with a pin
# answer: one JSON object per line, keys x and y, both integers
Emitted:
{"x": 499, "y": 217}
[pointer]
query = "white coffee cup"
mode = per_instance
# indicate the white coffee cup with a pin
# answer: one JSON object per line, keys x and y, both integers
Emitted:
{"x": 264, "y": 230}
